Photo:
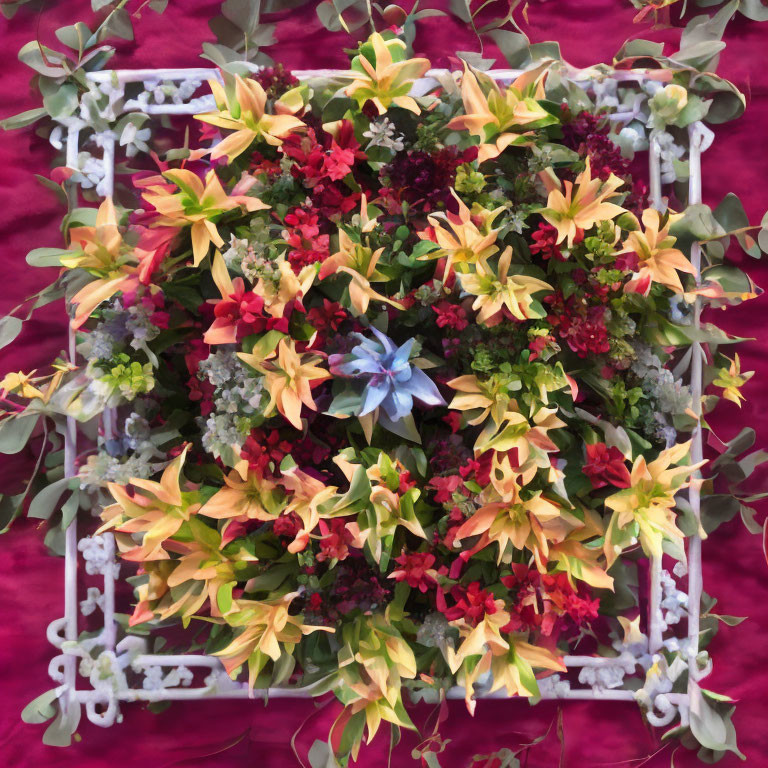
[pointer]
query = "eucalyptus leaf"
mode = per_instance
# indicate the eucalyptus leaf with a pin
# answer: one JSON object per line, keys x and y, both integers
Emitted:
{"x": 44, "y": 504}
{"x": 10, "y": 328}
{"x": 15, "y": 432}
{"x": 23, "y": 119}
{"x": 46, "y": 257}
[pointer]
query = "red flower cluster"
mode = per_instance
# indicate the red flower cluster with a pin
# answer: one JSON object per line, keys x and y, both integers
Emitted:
{"x": 543, "y": 602}
{"x": 588, "y": 135}
{"x": 450, "y": 315}
{"x": 471, "y": 603}
{"x": 416, "y": 568}
{"x": 606, "y": 465}
{"x": 307, "y": 244}
{"x": 262, "y": 448}
{"x": 335, "y": 541}
{"x": 580, "y": 325}
{"x": 321, "y": 162}
{"x": 546, "y": 242}
{"x": 275, "y": 80}
{"x": 422, "y": 179}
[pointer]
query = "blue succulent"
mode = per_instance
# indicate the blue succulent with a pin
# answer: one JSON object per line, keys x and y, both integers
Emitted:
{"x": 392, "y": 382}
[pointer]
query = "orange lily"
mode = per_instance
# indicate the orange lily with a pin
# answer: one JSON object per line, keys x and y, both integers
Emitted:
{"x": 246, "y": 115}
{"x": 511, "y": 520}
{"x": 460, "y": 239}
{"x": 498, "y": 290}
{"x": 158, "y": 512}
{"x": 288, "y": 379}
{"x": 308, "y": 494}
{"x": 388, "y": 79}
{"x": 583, "y": 205}
{"x": 289, "y": 287}
{"x": 659, "y": 261}
{"x": 731, "y": 379}
{"x": 98, "y": 250}
{"x": 246, "y": 495}
{"x": 645, "y": 510}
{"x": 500, "y": 118}
{"x": 266, "y": 626}
{"x": 359, "y": 262}
{"x": 198, "y": 205}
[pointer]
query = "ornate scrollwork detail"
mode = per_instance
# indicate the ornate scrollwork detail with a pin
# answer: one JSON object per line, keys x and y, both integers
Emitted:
{"x": 98, "y": 556}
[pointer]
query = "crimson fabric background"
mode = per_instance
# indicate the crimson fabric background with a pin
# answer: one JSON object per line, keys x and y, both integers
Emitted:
{"x": 203, "y": 733}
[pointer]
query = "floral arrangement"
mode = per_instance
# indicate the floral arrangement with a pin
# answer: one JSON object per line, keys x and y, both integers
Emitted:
{"x": 396, "y": 377}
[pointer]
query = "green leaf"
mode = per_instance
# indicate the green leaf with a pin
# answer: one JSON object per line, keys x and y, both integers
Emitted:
{"x": 31, "y": 54}
{"x": 118, "y": 24}
{"x": 15, "y": 432}
{"x": 10, "y": 328}
{"x": 754, "y": 9}
{"x": 244, "y": 14}
{"x": 224, "y": 596}
{"x": 46, "y": 257}
{"x": 75, "y": 36}
{"x": 59, "y": 732}
{"x": 10, "y": 509}
{"x": 97, "y": 5}
{"x": 23, "y": 119}
{"x": 44, "y": 504}
{"x": 41, "y": 709}
{"x": 62, "y": 102}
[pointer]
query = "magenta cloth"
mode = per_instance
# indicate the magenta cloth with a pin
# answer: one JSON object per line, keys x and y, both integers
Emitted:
{"x": 201, "y": 734}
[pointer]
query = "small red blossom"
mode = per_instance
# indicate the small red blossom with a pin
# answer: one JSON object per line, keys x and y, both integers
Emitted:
{"x": 445, "y": 486}
{"x": 606, "y": 465}
{"x": 416, "y": 568}
{"x": 328, "y": 317}
{"x": 545, "y": 238}
{"x": 335, "y": 541}
{"x": 315, "y": 602}
{"x": 453, "y": 420}
{"x": 450, "y": 315}
{"x": 262, "y": 449}
{"x": 287, "y": 525}
{"x": 544, "y": 602}
{"x": 472, "y": 603}
{"x": 406, "y": 483}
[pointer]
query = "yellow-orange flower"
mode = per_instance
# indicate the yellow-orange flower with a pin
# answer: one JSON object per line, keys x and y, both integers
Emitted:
{"x": 265, "y": 630}
{"x": 359, "y": 262}
{"x": 511, "y": 661}
{"x": 731, "y": 379}
{"x": 460, "y": 239}
{"x": 246, "y": 495}
{"x": 288, "y": 379}
{"x": 583, "y": 205}
{"x": 99, "y": 250}
{"x": 645, "y": 510}
{"x": 659, "y": 261}
{"x": 497, "y": 290}
{"x": 501, "y": 118}
{"x": 386, "y": 80}
{"x": 511, "y": 520}
{"x": 155, "y": 509}
{"x": 246, "y": 115}
{"x": 197, "y": 205}
{"x": 308, "y": 495}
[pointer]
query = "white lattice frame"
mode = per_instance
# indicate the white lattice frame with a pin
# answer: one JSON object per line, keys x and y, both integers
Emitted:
{"x": 106, "y": 672}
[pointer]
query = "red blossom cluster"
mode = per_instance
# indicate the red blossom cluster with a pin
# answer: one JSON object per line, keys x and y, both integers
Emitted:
{"x": 544, "y": 602}
{"x": 321, "y": 162}
{"x": 580, "y": 324}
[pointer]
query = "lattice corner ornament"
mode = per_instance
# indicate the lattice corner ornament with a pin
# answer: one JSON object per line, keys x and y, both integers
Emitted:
{"x": 113, "y": 672}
